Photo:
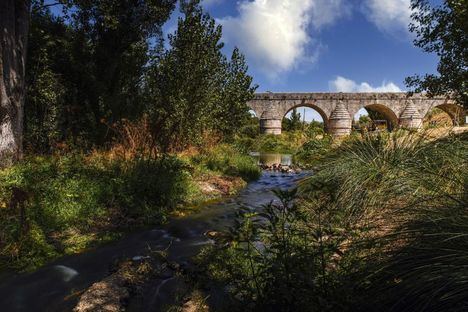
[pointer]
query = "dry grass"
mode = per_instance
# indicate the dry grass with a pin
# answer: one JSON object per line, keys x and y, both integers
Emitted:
{"x": 134, "y": 139}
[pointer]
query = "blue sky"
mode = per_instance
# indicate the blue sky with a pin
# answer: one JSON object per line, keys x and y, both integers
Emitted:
{"x": 322, "y": 45}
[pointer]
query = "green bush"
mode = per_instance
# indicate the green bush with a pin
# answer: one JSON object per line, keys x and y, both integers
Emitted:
{"x": 287, "y": 142}
{"x": 279, "y": 259}
{"x": 313, "y": 150}
{"x": 228, "y": 160}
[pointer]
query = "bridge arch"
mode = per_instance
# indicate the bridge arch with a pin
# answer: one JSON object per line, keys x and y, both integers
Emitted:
{"x": 253, "y": 113}
{"x": 313, "y": 106}
{"x": 454, "y": 111}
{"x": 382, "y": 111}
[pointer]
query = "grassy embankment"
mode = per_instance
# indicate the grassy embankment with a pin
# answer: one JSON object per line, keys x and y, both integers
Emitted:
{"x": 381, "y": 226}
{"x": 289, "y": 142}
{"x": 286, "y": 143}
{"x": 56, "y": 205}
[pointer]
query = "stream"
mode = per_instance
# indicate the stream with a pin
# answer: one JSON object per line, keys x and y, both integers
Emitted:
{"x": 52, "y": 287}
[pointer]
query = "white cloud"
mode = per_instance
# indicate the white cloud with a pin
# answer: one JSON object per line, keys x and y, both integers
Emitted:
{"x": 390, "y": 16}
{"x": 326, "y": 12}
{"x": 341, "y": 84}
{"x": 275, "y": 34}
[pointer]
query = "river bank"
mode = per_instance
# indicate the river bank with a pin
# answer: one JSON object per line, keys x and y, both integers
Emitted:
{"x": 57, "y": 205}
{"x": 380, "y": 226}
{"x": 58, "y": 286}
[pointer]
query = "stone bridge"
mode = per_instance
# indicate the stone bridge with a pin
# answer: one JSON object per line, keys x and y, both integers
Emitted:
{"x": 338, "y": 109}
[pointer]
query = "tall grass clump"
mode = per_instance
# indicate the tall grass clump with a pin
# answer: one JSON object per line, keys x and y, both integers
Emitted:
{"x": 426, "y": 268}
{"x": 410, "y": 196}
{"x": 381, "y": 225}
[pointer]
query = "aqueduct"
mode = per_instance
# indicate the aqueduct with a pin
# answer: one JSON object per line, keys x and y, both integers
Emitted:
{"x": 337, "y": 109}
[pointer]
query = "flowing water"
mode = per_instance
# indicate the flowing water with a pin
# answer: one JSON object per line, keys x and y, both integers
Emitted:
{"x": 52, "y": 287}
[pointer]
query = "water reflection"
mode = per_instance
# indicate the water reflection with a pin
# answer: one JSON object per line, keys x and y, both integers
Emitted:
{"x": 269, "y": 159}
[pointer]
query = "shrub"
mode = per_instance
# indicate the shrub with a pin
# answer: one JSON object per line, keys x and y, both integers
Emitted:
{"x": 286, "y": 143}
{"x": 282, "y": 258}
{"x": 228, "y": 160}
{"x": 313, "y": 150}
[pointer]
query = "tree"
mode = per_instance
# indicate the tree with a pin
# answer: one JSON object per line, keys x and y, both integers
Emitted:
{"x": 232, "y": 112}
{"x": 193, "y": 87}
{"x": 442, "y": 30}
{"x": 47, "y": 81}
{"x": 294, "y": 122}
{"x": 87, "y": 68}
{"x": 364, "y": 120}
{"x": 186, "y": 80}
{"x": 14, "y": 27}
{"x": 112, "y": 42}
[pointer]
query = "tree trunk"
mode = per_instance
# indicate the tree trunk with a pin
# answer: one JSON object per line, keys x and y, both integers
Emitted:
{"x": 14, "y": 28}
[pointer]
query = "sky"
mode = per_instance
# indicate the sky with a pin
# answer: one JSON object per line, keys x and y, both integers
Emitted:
{"x": 321, "y": 45}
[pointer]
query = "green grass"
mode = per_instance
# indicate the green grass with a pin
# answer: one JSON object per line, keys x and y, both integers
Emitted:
{"x": 227, "y": 160}
{"x": 78, "y": 201}
{"x": 286, "y": 143}
{"x": 410, "y": 195}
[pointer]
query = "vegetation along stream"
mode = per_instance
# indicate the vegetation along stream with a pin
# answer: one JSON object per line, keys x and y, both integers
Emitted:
{"x": 128, "y": 180}
{"x": 57, "y": 286}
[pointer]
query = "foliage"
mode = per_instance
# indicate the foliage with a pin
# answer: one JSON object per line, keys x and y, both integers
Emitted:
{"x": 232, "y": 112}
{"x": 227, "y": 160}
{"x": 45, "y": 108}
{"x": 437, "y": 118}
{"x": 405, "y": 192}
{"x": 251, "y": 129}
{"x": 134, "y": 139}
{"x": 249, "y": 138}
{"x": 375, "y": 115}
{"x": 72, "y": 202}
{"x": 287, "y": 142}
{"x": 390, "y": 210}
{"x": 314, "y": 150}
{"x": 282, "y": 258}
{"x": 86, "y": 67}
{"x": 70, "y": 198}
{"x": 419, "y": 274}
{"x": 314, "y": 129}
{"x": 442, "y": 30}
{"x": 193, "y": 87}
{"x": 103, "y": 62}
{"x": 364, "y": 120}
{"x": 294, "y": 122}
